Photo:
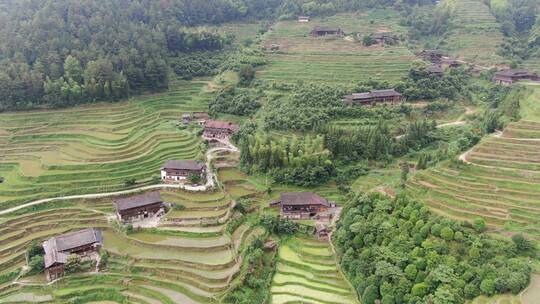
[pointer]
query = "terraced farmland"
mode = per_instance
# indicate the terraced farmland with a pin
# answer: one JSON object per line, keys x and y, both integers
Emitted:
{"x": 96, "y": 148}
{"x": 499, "y": 181}
{"x": 306, "y": 272}
{"x": 189, "y": 258}
{"x": 335, "y": 60}
{"x": 476, "y": 34}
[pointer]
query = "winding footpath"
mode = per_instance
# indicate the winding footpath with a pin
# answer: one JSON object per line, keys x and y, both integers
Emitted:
{"x": 498, "y": 134}
{"x": 210, "y": 183}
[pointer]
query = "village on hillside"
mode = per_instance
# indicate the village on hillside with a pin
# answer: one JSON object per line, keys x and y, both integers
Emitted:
{"x": 269, "y": 151}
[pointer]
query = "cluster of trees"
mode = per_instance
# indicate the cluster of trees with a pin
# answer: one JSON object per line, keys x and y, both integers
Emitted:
{"x": 420, "y": 84}
{"x": 233, "y": 101}
{"x": 427, "y": 22}
{"x": 309, "y": 106}
{"x": 396, "y": 251}
{"x": 377, "y": 142}
{"x": 300, "y": 161}
{"x": 36, "y": 260}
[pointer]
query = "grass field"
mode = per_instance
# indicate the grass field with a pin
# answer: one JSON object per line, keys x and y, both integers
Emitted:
{"x": 307, "y": 273}
{"x": 93, "y": 149}
{"x": 335, "y": 60}
{"x": 501, "y": 183}
{"x": 476, "y": 34}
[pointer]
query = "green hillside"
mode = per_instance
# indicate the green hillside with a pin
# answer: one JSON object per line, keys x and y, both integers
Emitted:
{"x": 96, "y": 148}
{"x": 476, "y": 34}
{"x": 499, "y": 182}
{"x": 332, "y": 59}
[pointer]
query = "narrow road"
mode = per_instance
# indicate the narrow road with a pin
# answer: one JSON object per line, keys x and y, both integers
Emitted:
{"x": 210, "y": 183}
{"x": 498, "y": 134}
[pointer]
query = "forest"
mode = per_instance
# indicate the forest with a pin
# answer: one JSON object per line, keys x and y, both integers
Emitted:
{"x": 63, "y": 53}
{"x": 396, "y": 251}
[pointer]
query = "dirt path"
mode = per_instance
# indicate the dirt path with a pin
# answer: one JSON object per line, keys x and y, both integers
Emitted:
{"x": 458, "y": 122}
{"x": 210, "y": 183}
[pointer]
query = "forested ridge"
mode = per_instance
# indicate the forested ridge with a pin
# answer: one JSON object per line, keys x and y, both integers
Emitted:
{"x": 62, "y": 53}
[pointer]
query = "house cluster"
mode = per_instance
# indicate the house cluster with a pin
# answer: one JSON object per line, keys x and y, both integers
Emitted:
{"x": 438, "y": 60}
{"x": 510, "y": 76}
{"x": 373, "y": 97}
{"x": 84, "y": 243}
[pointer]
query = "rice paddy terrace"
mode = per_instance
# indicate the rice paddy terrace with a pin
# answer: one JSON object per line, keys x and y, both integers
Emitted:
{"x": 476, "y": 34}
{"x": 499, "y": 179}
{"x": 95, "y": 149}
{"x": 188, "y": 258}
{"x": 306, "y": 272}
{"x": 333, "y": 59}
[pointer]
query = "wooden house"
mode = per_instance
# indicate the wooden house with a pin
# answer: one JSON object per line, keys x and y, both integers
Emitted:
{"x": 373, "y": 97}
{"x": 321, "y": 232}
{"x": 58, "y": 248}
{"x": 508, "y": 77}
{"x": 433, "y": 56}
{"x": 451, "y": 63}
{"x": 180, "y": 170}
{"x": 138, "y": 207}
{"x": 303, "y": 19}
{"x": 384, "y": 38}
{"x": 435, "y": 70}
{"x": 321, "y": 31}
{"x": 302, "y": 205}
{"x": 219, "y": 129}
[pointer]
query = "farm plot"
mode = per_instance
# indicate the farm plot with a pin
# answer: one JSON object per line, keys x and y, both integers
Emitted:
{"x": 96, "y": 148}
{"x": 332, "y": 59}
{"x": 306, "y": 272}
{"x": 476, "y": 36}
{"x": 499, "y": 179}
{"x": 166, "y": 264}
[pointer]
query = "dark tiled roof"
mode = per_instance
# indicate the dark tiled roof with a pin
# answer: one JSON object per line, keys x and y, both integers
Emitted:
{"x": 513, "y": 72}
{"x": 192, "y": 165}
{"x": 436, "y": 69}
{"x": 217, "y": 124}
{"x": 384, "y": 93}
{"x": 303, "y": 198}
{"x": 432, "y": 52}
{"x": 321, "y": 28}
{"x": 138, "y": 201}
{"x": 57, "y": 248}
{"x": 381, "y": 35}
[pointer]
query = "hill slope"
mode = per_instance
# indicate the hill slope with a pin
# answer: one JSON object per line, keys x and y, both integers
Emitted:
{"x": 499, "y": 179}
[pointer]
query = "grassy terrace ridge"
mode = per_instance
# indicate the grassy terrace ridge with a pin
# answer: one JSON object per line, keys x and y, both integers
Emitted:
{"x": 96, "y": 148}
{"x": 500, "y": 182}
{"x": 306, "y": 272}
{"x": 476, "y": 34}
{"x": 335, "y": 60}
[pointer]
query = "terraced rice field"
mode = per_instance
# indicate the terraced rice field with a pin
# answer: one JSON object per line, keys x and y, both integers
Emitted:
{"x": 95, "y": 148}
{"x": 500, "y": 180}
{"x": 189, "y": 258}
{"x": 476, "y": 34}
{"x": 306, "y": 272}
{"x": 332, "y": 59}
{"x": 533, "y": 64}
